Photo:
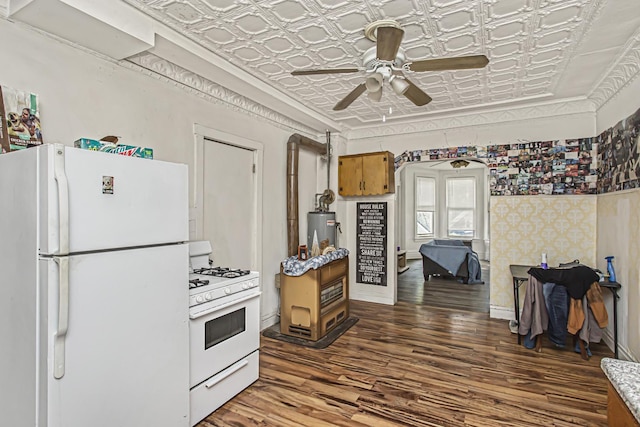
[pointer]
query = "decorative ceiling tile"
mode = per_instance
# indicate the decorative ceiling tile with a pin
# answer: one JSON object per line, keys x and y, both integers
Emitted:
{"x": 219, "y": 36}
{"x": 460, "y": 42}
{"x": 503, "y": 65}
{"x": 221, "y": 5}
{"x": 183, "y": 12}
{"x": 352, "y": 22}
{"x": 289, "y": 11}
{"x": 247, "y": 54}
{"x": 278, "y": 45}
{"x": 397, "y": 9}
{"x": 313, "y": 34}
{"x": 551, "y": 39}
{"x": 530, "y": 45}
{"x": 560, "y": 17}
{"x": 445, "y": 3}
{"x": 507, "y": 49}
{"x": 505, "y": 8}
{"x": 252, "y": 24}
{"x": 507, "y": 31}
{"x": 457, "y": 20}
{"x": 549, "y": 55}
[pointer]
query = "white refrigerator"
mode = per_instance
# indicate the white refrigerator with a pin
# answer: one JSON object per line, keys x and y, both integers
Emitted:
{"x": 93, "y": 290}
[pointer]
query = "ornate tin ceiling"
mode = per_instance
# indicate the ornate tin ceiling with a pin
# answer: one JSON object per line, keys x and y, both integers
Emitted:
{"x": 538, "y": 49}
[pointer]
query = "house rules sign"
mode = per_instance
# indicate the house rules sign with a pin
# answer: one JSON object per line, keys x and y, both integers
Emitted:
{"x": 371, "y": 259}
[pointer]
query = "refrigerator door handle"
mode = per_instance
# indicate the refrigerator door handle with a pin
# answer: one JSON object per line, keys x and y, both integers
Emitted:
{"x": 63, "y": 317}
{"x": 63, "y": 198}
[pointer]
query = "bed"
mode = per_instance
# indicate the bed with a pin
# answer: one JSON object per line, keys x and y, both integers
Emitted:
{"x": 450, "y": 258}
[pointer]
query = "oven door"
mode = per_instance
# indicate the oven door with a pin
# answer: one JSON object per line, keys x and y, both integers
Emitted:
{"x": 223, "y": 334}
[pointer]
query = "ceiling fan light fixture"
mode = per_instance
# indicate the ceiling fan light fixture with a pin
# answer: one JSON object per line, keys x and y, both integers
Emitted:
{"x": 375, "y": 96}
{"x": 374, "y": 82}
{"x": 400, "y": 86}
{"x": 457, "y": 164}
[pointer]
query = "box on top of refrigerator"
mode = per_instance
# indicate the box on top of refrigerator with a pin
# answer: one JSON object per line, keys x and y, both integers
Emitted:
{"x": 109, "y": 147}
{"x": 20, "y": 120}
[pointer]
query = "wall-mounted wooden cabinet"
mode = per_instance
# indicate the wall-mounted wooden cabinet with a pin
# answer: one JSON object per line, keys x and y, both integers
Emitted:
{"x": 366, "y": 174}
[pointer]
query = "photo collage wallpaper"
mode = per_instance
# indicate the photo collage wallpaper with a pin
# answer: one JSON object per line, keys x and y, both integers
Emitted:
{"x": 608, "y": 162}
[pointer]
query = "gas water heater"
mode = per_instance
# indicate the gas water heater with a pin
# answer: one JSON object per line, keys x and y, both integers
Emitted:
{"x": 324, "y": 225}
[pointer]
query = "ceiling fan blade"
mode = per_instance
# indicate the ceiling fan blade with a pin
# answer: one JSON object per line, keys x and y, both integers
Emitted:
{"x": 347, "y": 100}
{"x": 458, "y": 63}
{"x": 388, "y": 42}
{"x": 327, "y": 71}
{"x": 416, "y": 95}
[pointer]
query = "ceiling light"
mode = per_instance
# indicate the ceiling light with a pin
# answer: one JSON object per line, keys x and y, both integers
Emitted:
{"x": 459, "y": 164}
{"x": 375, "y": 96}
{"x": 374, "y": 82}
{"x": 400, "y": 86}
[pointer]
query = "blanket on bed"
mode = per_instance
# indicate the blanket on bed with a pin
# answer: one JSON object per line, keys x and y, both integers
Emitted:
{"x": 450, "y": 254}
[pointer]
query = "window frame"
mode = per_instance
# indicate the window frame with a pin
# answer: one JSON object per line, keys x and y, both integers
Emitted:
{"x": 425, "y": 208}
{"x": 473, "y": 209}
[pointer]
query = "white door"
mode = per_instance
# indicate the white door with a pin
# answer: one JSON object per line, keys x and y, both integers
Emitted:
{"x": 114, "y": 201}
{"x": 229, "y": 204}
{"x": 126, "y": 353}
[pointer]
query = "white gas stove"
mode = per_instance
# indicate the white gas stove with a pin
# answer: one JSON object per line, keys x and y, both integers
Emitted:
{"x": 224, "y": 329}
{"x": 216, "y": 285}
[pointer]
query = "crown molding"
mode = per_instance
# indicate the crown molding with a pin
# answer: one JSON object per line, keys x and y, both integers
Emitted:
{"x": 487, "y": 117}
{"x": 164, "y": 70}
{"x": 625, "y": 70}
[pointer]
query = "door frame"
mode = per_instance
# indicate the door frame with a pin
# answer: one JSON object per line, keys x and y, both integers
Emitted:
{"x": 196, "y": 215}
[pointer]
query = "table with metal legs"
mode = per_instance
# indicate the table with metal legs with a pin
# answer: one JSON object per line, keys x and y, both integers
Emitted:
{"x": 520, "y": 275}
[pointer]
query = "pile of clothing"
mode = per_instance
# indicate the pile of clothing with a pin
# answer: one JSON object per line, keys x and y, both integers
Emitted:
{"x": 561, "y": 301}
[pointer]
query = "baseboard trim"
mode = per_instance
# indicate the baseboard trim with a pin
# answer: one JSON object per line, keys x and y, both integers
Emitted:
{"x": 497, "y": 312}
{"x": 269, "y": 320}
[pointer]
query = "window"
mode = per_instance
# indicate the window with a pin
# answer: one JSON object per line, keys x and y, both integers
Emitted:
{"x": 425, "y": 206}
{"x": 461, "y": 204}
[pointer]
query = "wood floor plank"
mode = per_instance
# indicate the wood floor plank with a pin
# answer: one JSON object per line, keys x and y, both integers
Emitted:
{"x": 421, "y": 365}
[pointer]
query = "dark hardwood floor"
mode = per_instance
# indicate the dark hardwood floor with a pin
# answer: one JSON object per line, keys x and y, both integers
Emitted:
{"x": 419, "y": 365}
{"x": 443, "y": 292}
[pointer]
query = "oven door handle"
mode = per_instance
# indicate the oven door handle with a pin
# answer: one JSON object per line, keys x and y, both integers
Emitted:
{"x": 223, "y": 306}
{"x": 227, "y": 374}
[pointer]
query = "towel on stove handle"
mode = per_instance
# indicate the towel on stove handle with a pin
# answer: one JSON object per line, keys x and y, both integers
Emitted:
{"x": 292, "y": 266}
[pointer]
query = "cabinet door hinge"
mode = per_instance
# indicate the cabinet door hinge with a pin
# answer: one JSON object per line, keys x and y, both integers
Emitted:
{"x": 253, "y": 168}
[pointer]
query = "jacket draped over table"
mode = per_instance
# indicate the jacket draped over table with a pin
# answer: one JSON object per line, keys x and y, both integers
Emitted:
{"x": 587, "y": 315}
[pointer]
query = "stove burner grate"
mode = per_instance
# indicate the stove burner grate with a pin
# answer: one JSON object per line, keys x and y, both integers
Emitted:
{"x": 196, "y": 283}
{"x": 221, "y": 272}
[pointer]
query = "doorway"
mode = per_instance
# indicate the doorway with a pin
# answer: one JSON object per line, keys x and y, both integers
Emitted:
{"x": 428, "y": 210}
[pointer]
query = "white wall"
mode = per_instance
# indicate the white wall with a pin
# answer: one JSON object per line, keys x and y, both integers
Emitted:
{"x": 620, "y": 106}
{"x": 618, "y": 233}
{"x": 82, "y": 95}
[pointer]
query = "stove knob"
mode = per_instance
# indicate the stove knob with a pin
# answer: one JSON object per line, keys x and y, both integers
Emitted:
{"x": 227, "y": 291}
{"x": 208, "y": 296}
{"x": 199, "y": 298}
{"x": 245, "y": 285}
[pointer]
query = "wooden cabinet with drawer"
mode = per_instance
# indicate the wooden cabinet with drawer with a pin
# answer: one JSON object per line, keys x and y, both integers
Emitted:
{"x": 366, "y": 174}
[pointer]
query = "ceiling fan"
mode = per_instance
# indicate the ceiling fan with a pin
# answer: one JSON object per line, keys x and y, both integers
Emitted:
{"x": 386, "y": 62}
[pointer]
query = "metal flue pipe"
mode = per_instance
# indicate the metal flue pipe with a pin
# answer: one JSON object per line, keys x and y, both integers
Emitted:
{"x": 293, "y": 149}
